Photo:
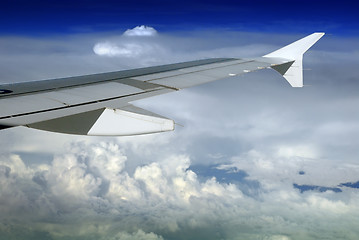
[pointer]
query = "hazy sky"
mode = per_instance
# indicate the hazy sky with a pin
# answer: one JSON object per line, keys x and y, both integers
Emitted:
{"x": 255, "y": 158}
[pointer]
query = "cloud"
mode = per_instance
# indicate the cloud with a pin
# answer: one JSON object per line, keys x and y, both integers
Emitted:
{"x": 131, "y": 47}
{"x": 140, "y": 31}
{"x": 125, "y": 47}
{"x": 139, "y": 235}
{"x": 160, "y": 199}
{"x": 276, "y": 237}
{"x": 110, "y": 49}
{"x": 61, "y": 186}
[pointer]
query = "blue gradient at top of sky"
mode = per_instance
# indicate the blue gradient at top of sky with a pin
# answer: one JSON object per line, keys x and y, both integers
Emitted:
{"x": 54, "y": 17}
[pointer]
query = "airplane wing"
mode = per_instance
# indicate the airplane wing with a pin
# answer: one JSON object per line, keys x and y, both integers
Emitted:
{"x": 99, "y": 104}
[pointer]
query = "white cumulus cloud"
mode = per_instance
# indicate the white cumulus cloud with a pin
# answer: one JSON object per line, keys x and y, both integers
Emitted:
{"x": 141, "y": 31}
{"x": 125, "y": 47}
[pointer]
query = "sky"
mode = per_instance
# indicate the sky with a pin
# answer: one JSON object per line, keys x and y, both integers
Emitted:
{"x": 251, "y": 157}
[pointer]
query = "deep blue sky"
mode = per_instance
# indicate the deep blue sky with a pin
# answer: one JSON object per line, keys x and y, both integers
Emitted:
{"x": 53, "y": 17}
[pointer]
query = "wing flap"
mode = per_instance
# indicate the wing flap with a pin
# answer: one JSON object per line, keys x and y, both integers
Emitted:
{"x": 132, "y": 121}
{"x": 129, "y": 120}
{"x": 78, "y": 124}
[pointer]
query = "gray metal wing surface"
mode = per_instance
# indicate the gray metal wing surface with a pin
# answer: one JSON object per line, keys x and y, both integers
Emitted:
{"x": 99, "y": 104}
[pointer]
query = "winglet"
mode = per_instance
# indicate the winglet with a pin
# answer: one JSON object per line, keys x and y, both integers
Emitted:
{"x": 294, "y": 54}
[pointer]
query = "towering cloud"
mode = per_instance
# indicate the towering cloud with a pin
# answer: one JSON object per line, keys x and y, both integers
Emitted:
{"x": 141, "y": 31}
{"x": 130, "y": 45}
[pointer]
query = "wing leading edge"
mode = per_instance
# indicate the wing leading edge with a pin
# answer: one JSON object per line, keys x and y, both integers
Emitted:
{"x": 98, "y": 104}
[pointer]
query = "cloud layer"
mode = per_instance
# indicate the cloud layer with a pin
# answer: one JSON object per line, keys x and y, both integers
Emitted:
{"x": 259, "y": 134}
{"x": 88, "y": 191}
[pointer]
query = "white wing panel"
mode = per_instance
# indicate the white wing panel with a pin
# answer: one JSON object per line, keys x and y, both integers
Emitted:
{"x": 213, "y": 66}
{"x": 184, "y": 80}
{"x": 183, "y": 71}
{"x": 158, "y": 75}
{"x": 203, "y": 74}
{"x": 13, "y": 106}
{"x": 18, "y": 105}
{"x": 229, "y": 70}
{"x": 91, "y": 93}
